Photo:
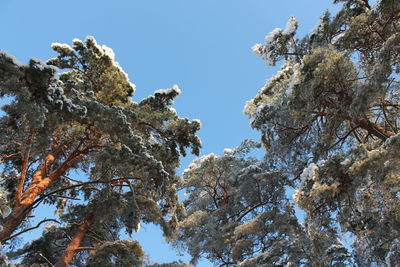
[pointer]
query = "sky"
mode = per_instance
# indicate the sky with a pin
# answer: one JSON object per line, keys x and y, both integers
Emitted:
{"x": 202, "y": 46}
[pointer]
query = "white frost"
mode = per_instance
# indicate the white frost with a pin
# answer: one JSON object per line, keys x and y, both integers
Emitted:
{"x": 175, "y": 88}
{"x": 49, "y": 226}
{"x": 205, "y": 158}
{"x": 137, "y": 228}
{"x": 62, "y": 46}
{"x": 309, "y": 173}
{"x": 228, "y": 151}
{"x": 249, "y": 108}
{"x": 291, "y": 26}
{"x": 108, "y": 51}
{"x": 258, "y": 49}
{"x": 77, "y": 41}
{"x": 295, "y": 79}
{"x": 337, "y": 37}
{"x": 271, "y": 37}
{"x": 197, "y": 121}
{"x": 254, "y": 168}
{"x": 11, "y": 57}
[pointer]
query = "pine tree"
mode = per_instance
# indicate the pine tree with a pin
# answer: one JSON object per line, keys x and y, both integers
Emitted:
{"x": 333, "y": 107}
{"x": 239, "y": 214}
{"x": 329, "y": 122}
{"x": 231, "y": 200}
{"x": 75, "y": 114}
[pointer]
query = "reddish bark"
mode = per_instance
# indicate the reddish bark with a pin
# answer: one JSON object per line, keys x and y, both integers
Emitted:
{"x": 39, "y": 183}
{"x": 25, "y": 160}
{"x": 74, "y": 244}
{"x": 373, "y": 128}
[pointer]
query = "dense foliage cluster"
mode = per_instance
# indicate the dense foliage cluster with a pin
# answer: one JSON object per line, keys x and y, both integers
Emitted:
{"x": 325, "y": 192}
{"x": 75, "y": 113}
{"x": 329, "y": 121}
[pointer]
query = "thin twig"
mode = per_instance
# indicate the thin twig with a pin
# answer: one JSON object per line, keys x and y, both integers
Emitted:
{"x": 9, "y": 156}
{"x": 84, "y": 248}
{"x": 61, "y": 196}
{"x": 250, "y": 210}
{"x": 49, "y": 262}
{"x": 344, "y": 137}
{"x": 75, "y": 186}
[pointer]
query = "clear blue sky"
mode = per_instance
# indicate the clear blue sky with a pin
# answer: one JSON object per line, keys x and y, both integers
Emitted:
{"x": 203, "y": 46}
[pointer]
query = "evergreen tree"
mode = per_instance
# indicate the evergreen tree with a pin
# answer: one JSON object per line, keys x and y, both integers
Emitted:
{"x": 334, "y": 107}
{"x": 75, "y": 113}
{"x": 239, "y": 214}
{"x": 231, "y": 201}
{"x": 329, "y": 122}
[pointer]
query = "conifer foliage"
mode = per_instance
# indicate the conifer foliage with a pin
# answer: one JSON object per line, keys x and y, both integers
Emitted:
{"x": 325, "y": 192}
{"x": 75, "y": 114}
{"x": 329, "y": 122}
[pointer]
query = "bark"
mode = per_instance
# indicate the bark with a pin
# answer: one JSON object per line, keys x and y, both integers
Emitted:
{"x": 39, "y": 183}
{"x": 374, "y": 129}
{"x": 74, "y": 244}
{"x": 25, "y": 160}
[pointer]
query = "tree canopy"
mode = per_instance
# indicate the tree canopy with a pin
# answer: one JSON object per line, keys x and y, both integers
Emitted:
{"x": 325, "y": 192}
{"x": 328, "y": 122}
{"x": 75, "y": 113}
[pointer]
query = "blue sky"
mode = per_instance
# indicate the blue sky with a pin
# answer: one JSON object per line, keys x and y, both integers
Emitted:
{"x": 203, "y": 46}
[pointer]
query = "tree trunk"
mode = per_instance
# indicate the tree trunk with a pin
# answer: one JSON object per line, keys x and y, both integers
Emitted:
{"x": 75, "y": 242}
{"x": 39, "y": 183}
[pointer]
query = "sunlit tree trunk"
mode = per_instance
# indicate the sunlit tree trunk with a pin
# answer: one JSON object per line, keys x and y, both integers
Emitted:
{"x": 75, "y": 242}
{"x": 39, "y": 183}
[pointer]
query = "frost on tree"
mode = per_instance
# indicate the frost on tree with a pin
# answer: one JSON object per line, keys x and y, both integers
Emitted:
{"x": 239, "y": 214}
{"x": 330, "y": 115}
{"x": 75, "y": 112}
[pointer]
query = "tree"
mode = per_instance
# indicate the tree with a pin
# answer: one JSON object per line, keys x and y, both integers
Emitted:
{"x": 334, "y": 108}
{"x": 230, "y": 199}
{"x": 239, "y": 213}
{"x": 329, "y": 122}
{"x": 75, "y": 113}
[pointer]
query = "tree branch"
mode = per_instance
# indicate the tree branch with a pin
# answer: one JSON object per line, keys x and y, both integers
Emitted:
{"x": 37, "y": 201}
{"x": 46, "y": 259}
{"x": 9, "y": 156}
{"x": 343, "y": 138}
{"x": 25, "y": 160}
{"x": 84, "y": 248}
{"x": 28, "y": 229}
{"x": 373, "y": 128}
{"x": 250, "y": 210}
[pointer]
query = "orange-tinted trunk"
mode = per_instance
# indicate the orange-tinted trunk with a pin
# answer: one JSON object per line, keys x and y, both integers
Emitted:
{"x": 39, "y": 183}
{"x": 75, "y": 242}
